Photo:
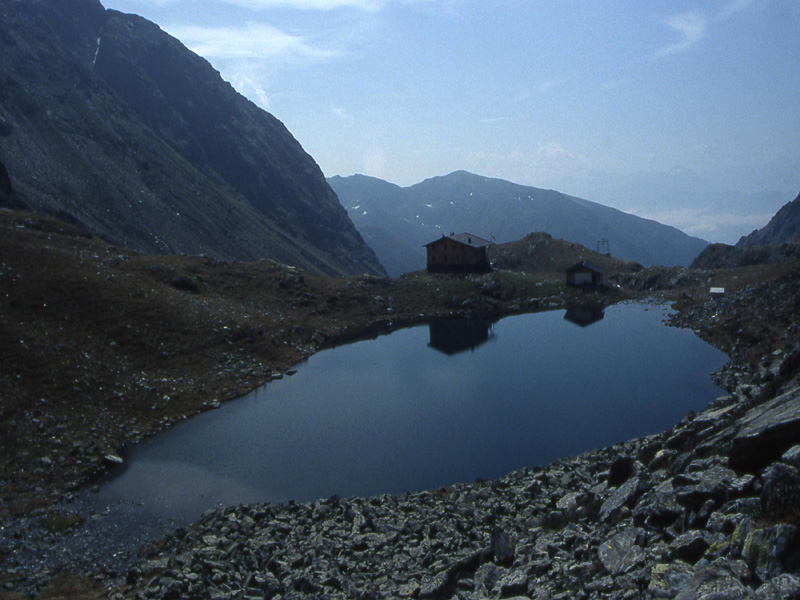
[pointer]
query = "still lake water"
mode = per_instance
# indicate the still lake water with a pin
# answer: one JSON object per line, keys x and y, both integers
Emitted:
{"x": 425, "y": 407}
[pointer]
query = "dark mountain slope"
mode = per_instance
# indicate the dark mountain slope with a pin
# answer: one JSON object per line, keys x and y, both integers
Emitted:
{"x": 492, "y": 207}
{"x": 384, "y": 224}
{"x": 723, "y": 256}
{"x": 783, "y": 228}
{"x": 776, "y": 242}
{"x": 115, "y": 125}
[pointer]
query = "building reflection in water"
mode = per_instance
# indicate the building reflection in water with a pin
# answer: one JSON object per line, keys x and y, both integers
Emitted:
{"x": 585, "y": 315}
{"x": 457, "y": 334}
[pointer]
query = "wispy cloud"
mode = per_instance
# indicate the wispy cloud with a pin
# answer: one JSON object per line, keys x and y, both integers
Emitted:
{"x": 690, "y": 27}
{"x": 734, "y": 8}
{"x": 703, "y": 223}
{"x": 251, "y": 41}
{"x": 369, "y": 5}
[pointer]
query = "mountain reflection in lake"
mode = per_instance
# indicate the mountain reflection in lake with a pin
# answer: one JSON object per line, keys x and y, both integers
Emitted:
{"x": 409, "y": 411}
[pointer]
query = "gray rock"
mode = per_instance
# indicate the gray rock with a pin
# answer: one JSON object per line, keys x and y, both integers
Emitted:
{"x": 780, "y": 496}
{"x": 621, "y": 497}
{"x": 502, "y": 548}
{"x": 714, "y": 584}
{"x": 690, "y": 546}
{"x": 621, "y": 552}
{"x": 621, "y": 470}
{"x": 514, "y": 583}
{"x": 766, "y": 432}
{"x": 792, "y": 456}
{"x": 782, "y": 587}
{"x": 667, "y": 580}
{"x": 772, "y": 551}
{"x": 658, "y": 507}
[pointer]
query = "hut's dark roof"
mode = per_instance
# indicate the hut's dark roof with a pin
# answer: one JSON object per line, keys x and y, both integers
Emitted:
{"x": 585, "y": 265}
{"x": 465, "y": 238}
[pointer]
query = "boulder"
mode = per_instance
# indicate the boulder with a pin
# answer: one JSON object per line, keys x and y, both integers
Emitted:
{"x": 621, "y": 552}
{"x": 782, "y": 587}
{"x": 773, "y": 550}
{"x": 690, "y": 546}
{"x": 780, "y": 494}
{"x": 666, "y": 580}
{"x": 766, "y": 432}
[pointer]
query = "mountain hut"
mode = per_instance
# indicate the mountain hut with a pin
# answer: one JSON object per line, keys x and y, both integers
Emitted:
{"x": 585, "y": 274}
{"x": 458, "y": 253}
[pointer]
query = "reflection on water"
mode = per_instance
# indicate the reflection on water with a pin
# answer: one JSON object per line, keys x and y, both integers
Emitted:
{"x": 413, "y": 410}
{"x": 457, "y": 334}
{"x": 584, "y": 314}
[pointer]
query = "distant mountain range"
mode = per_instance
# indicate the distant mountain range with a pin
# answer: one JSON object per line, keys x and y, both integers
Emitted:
{"x": 397, "y": 221}
{"x": 109, "y": 123}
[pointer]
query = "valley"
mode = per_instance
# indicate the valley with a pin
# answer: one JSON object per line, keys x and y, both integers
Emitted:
{"x": 144, "y": 341}
{"x": 167, "y": 247}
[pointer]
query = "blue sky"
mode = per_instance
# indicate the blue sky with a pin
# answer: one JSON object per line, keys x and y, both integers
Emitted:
{"x": 686, "y": 112}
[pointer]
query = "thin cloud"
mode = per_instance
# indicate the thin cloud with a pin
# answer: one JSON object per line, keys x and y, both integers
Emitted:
{"x": 690, "y": 27}
{"x": 328, "y": 5}
{"x": 735, "y": 7}
{"x": 251, "y": 41}
{"x": 700, "y": 222}
{"x": 340, "y": 113}
{"x": 366, "y": 5}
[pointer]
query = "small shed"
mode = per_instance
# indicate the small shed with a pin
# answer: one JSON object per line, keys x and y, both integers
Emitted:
{"x": 458, "y": 253}
{"x": 585, "y": 274}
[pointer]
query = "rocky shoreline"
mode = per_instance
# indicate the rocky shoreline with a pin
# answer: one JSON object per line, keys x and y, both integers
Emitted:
{"x": 661, "y": 517}
{"x": 707, "y": 509}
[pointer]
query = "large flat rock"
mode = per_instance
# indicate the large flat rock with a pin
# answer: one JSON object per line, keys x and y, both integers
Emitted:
{"x": 766, "y": 432}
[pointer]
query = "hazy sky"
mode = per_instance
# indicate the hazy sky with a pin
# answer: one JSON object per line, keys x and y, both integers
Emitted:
{"x": 687, "y": 112}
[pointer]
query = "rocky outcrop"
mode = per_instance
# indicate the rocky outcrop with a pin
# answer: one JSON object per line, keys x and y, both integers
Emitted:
{"x": 662, "y": 517}
{"x": 722, "y": 256}
{"x": 784, "y": 227}
{"x": 113, "y": 125}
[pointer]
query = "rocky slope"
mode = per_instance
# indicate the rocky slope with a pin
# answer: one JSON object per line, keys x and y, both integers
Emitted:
{"x": 783, "y": 228}
{"x": 398, "y": 221}
{"x": 111, "y": 124}
{"x": 662, "y": 517}
{"x": 722, "y": 256}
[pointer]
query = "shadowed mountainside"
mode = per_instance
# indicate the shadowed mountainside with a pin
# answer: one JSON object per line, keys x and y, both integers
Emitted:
{"x": 113, "y": 125}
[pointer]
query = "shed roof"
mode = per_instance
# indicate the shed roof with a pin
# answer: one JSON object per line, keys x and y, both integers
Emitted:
{"x": 465, "y": 238}
{"x": 585, "y": 265}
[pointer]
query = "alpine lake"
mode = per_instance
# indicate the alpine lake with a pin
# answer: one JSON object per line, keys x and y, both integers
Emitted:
{"x": 421, "y": 408}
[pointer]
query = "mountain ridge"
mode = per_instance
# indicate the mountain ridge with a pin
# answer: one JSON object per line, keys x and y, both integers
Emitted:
{"x": 783, "y": 227}
{"x": 462, "y": 201}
